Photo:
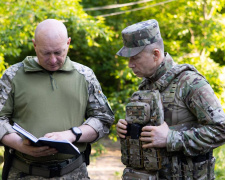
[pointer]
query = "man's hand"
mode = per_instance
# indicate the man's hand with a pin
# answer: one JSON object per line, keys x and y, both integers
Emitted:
{"x": 88, "y": 134}
{"x": 14, "y": 141}
{"x": 121, "y": 128}
{"x": 36, "y": 151}
{"x": 154, "y": 136}
{"x": 61, "y": 135}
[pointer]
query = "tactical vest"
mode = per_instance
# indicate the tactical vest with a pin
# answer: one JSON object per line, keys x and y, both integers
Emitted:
{"x": 150, "y": 161}
{"x": 145, "y": 108}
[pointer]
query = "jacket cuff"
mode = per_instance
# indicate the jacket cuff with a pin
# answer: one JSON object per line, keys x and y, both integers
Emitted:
{"x": 174, "y": 141}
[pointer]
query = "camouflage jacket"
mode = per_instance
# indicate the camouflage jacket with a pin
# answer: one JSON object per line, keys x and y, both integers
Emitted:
{"x": 191, "y": 109}
{"x": 42, "y": 101}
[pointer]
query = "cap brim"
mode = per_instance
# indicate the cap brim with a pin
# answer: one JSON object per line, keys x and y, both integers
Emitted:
{"x": 128, "y": 52}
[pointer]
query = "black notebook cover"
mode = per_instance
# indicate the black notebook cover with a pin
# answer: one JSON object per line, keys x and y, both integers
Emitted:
{"x": 63, "y": 146}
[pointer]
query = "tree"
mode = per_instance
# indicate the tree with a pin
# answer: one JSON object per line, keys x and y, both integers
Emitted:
{"x": 193, "y": 33}
{"x": 20, "y": 18}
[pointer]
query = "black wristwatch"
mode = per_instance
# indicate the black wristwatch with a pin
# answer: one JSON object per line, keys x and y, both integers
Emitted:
{"x": 77, "y": 132}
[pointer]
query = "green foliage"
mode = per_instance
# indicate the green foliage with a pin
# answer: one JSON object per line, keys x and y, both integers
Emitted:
{"x": 1, "y": 160}
{"x": 20, "y": 18}
{"x": 219, "y": 154}
{"x": 3, "y": 64}
{"x": 192, "y": 31}
{"x": 98, "y": 149}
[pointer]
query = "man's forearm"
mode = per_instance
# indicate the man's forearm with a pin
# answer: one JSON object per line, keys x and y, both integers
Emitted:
{"x": 88, "y": 134}
{"x": 12, "y": 140}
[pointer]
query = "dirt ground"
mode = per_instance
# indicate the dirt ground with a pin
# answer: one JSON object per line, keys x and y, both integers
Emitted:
{"x": 108, "y": 165}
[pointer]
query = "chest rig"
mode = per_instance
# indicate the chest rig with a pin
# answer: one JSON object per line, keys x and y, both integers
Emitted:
{"x": 151, "y": 105}
{"x": 145, "y": 108}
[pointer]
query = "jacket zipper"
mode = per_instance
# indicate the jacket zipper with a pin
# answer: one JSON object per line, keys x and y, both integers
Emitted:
{"x": 53, "y": 82}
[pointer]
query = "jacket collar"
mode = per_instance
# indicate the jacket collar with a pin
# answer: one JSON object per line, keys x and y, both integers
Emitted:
{"x": 167, "y": 71}
{"x": 31, "y": 65}
{"x": 167, "y": 64}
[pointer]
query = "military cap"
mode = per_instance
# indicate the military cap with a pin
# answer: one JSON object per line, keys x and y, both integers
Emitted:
{"x": 139, "y": 35}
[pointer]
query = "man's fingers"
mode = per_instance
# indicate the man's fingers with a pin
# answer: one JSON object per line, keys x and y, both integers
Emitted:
{"x": 121, "y": 125}
{"x": 148, "y": 145}
{"x": 148, "y": 128}
{"x": 121, "y": 128}
{"x": 146, "y": 134}
{"x": 44, "y": 152}
{"x": 27, "y": 142}
{"x": 121, "y": 133}
{"x": 122, "y": 121}
{"x": 146, "y": 139}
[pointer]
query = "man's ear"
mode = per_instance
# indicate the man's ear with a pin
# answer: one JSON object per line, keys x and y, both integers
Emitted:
{"x": 34, "y": 43}
{"x": 68, "y": 41}
{"x": 68, "y": 44}
{"x": 156, "y": 54}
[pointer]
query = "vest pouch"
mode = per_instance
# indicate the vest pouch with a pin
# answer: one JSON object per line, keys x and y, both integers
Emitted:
{"x": 137, "y": 112}
{"x": 211, "y": 168}
{"x": 200, "y": 170}
{"x": 133, "y": 174}
{"x": 152, "y": 159}
{"x": 155, "y": 113}
{"x": 187, "y": 173}
{"x": 130, "y": 147}
{"x": 135, "y": 154}
{"x": 125, "y": 146}
{"x": 145, "y": 108}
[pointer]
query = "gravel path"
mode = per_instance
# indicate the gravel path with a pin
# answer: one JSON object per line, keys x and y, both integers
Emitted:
{"x": 108, "y": 165}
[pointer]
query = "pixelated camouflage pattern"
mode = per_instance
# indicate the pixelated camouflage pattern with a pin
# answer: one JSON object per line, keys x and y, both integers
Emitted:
{"x": 145, "y": 108}
{"x": 153, "y": 99}
{"x": 135, "y": 154}
{"x": 187, "y": 173}
{"x": 77, "y": 174}
{"x": 152, "y": 159}
{"x": 188, "y": 100}
{"x": 133, "y": 174}
{"x": 187, "y": 170}
{"x": 137, "y": 36}
{"x": 98, "y": 112}
{"x": 125, "y": 153}
{"x": 137, "y": 112}
{"x": 5, "y": 88}
{"x": 176, "y": 168}
{"x": 5, "y": 83}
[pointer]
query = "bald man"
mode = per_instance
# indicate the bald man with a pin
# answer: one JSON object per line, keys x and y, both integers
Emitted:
{"x": 50, "y": 96}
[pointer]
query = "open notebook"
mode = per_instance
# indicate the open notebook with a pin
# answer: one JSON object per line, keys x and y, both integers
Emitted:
{"x": 62, "y": 146}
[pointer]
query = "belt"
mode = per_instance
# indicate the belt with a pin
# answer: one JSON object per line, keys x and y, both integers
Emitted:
{"x": 54, "y": 170}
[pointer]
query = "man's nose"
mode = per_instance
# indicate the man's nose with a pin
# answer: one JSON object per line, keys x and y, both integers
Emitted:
{"x": 53, "y": 58}
{"x": 131, "y": 64}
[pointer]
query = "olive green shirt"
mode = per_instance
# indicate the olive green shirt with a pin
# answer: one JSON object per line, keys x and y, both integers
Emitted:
{"x": 41, "y": 101}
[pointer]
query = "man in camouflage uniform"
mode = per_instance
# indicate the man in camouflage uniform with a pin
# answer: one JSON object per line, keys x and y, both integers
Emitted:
{"x": 49, "y": 95}
{"x": 194, "y": 121}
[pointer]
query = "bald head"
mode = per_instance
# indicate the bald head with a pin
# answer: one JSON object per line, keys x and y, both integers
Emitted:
{"x": 50, "y": 29}
{"x": 51, "y": 44}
